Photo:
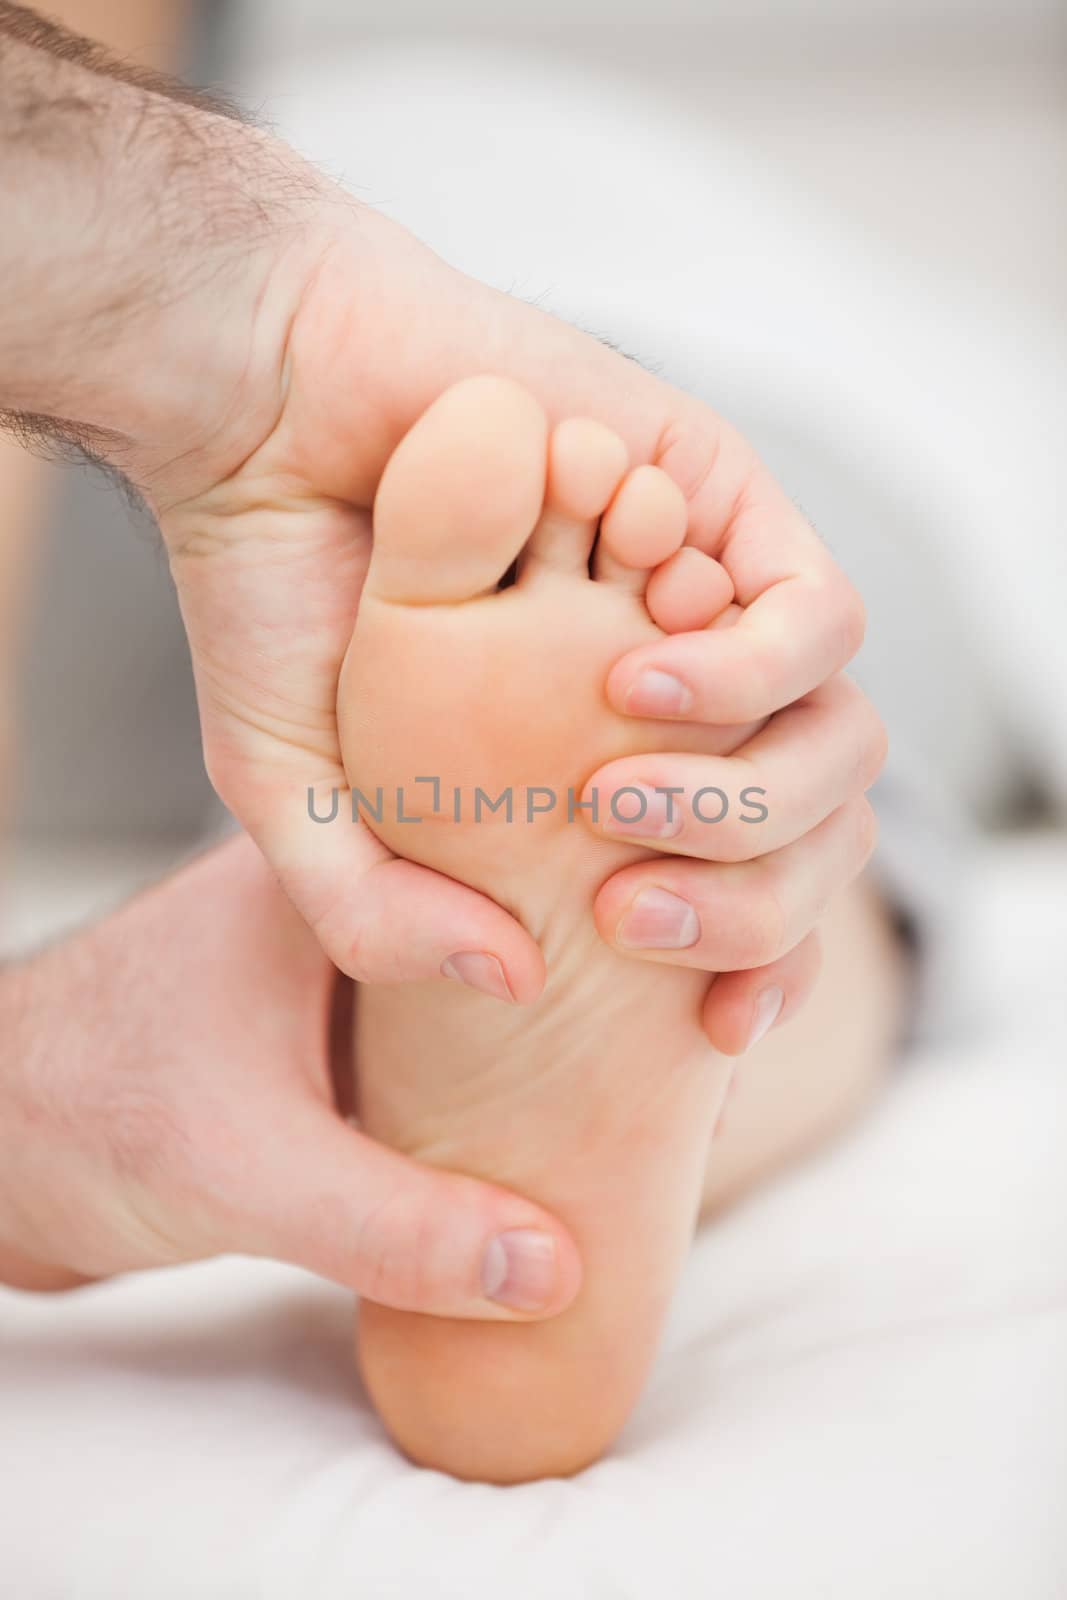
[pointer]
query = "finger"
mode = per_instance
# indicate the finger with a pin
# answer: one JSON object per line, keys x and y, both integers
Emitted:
{"x": 723, "y": 918}
{"x": 742, "y": 1007}
{"x": 316, "y": 1192}
{"x": 787, "y": 642}
{"x": 801, "y": 766}
{"x": 269, "y": 600}
{"x": 803, "y": 619}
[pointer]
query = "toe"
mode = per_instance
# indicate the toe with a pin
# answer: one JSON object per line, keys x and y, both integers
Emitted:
{"x": 643, "y": 526}
{"x": 586, "y": 463}
{"x": 688, "y": 591}
{"x": 459, "y": 495}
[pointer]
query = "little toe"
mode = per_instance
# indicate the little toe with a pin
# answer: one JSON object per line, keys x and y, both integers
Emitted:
{"x": 586, "y": 463}
{"x": 644, "y": 525}
{"x": 688, "y": 591}
{"x": 460, "y": 495}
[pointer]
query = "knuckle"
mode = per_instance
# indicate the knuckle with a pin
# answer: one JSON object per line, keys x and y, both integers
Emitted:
{"x": 727, "y": 844}
{"x": 357, "y": 934}
{"x": 762, "y": 674}
{"x": 710, "y": 829}
{"x": 734, "y": 841}
{"x": 688, "y": 450}
{"x": 878, "y": 752}
{"x": 867, "y": 828}
{"x": 808, "y": 961}
{"x": 851, "y": 619}
{"x": 755, "y": 933}
{"x": 873, "y": 740}
{"x": 392, "y": 1251}
{"x": 355, "y": 960}
{"x": 869, "y": 738}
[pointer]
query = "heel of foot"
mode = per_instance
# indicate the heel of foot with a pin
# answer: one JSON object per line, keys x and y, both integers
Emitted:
{"x": 489, "y": 1402}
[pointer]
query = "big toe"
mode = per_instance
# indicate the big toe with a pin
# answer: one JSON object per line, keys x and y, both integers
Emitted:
{"x": 460, "y": 494}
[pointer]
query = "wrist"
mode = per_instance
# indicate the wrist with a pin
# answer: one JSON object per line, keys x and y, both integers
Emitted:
{"x": 156, "y": 254}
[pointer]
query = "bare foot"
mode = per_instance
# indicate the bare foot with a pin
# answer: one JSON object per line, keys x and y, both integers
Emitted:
{"x": 597, "y": 1100}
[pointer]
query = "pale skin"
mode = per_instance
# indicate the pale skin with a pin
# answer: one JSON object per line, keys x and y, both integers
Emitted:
{"x": 250, "y": 355}
{"x": 167, "y": 1094}
{"x": 600, "y": 1097}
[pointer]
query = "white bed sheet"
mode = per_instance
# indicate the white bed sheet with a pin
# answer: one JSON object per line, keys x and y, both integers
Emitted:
{"x": 863, "y": 1390}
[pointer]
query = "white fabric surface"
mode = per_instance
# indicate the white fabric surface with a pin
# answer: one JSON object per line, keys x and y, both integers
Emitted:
{"x": 863, "y": 1390}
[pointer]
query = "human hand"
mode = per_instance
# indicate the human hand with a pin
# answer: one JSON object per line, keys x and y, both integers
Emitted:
{"x": 382, "y": 327}
{"x": 288, "y": 338}
{"x": 165, "y": 1095}
{"x": 755, "y": 842}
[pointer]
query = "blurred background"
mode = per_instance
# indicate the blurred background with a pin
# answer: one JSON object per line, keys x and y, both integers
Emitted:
{"x": 842, "y": 224}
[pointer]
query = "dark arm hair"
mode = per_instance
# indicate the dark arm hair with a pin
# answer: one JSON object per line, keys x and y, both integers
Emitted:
{"x": 41, "y": 33}
{"x": 138, "y": 221}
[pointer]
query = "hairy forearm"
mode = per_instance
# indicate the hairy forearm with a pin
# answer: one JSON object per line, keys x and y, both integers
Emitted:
{"x": 141, "y": 229}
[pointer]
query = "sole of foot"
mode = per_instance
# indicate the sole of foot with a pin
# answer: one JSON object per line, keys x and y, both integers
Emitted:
{"x": 598, "y": 1100}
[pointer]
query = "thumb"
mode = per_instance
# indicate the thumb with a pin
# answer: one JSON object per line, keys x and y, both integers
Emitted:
{"x": 381, "y": 919}
{"x": 269, "y": 596}
{"x": 324, "y": 1196}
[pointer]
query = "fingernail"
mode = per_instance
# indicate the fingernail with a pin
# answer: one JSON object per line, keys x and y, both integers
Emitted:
{"x": 768, "y": 1004}
{"x": 519, "y": 1269}
{"x": 658, "y": 694}
{"x": 479, "y": 971}
{"x": 658, "y": 920}
{"x": 645, "y": 813}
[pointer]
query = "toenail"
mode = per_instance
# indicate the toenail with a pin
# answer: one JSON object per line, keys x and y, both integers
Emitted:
{"x": 519, "y": 1269}
{"x": 768, "y": 1005}
{"x": 658, "y": 694}
{"x": 642, "y": 812}
{"x": 658, "y": 920}
{"x": 478, "y": 971}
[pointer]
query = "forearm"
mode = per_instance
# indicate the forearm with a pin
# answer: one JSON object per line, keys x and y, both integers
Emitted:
{"x": 85, "y": 1027}
{"x": 141, "y": 236}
